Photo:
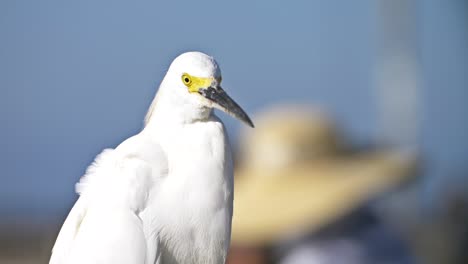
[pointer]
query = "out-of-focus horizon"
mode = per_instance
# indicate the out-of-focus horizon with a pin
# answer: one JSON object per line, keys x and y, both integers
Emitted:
{"x": 78, "y": 77}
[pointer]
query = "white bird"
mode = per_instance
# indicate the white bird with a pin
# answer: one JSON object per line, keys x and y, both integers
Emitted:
{"x": 164, "y": 195}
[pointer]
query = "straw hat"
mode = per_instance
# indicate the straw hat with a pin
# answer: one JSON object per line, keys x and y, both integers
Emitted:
{"x": 297, "y": 176}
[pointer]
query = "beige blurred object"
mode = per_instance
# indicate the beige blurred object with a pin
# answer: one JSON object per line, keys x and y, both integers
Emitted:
{"x": 297, "y": 176}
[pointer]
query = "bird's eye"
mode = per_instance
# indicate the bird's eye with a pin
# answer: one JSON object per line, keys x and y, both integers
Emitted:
{"x": 186, "y": 79}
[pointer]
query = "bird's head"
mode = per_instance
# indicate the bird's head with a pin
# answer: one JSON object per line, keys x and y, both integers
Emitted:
{"x": 197, "y": 78}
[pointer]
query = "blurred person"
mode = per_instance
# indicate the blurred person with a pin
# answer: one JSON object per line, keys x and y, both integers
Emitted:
{"x": 302, "y": 194}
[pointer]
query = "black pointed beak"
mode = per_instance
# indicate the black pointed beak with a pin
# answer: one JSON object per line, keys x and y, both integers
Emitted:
{"x": 225, "y": 103}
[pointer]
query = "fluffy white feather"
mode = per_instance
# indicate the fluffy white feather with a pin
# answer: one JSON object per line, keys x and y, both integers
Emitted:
{"x": 112, "y": 193}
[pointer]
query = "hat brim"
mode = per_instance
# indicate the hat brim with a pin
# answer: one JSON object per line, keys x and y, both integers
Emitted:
{"x": 307, "y": 197}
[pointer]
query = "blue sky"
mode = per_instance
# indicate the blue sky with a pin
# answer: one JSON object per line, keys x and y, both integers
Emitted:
{"x": 77, "y": 77}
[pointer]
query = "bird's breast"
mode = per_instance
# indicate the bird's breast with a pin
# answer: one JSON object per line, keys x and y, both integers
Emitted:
{"x": 195, "y": 201}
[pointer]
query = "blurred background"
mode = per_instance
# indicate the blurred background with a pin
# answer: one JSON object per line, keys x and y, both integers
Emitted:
{"x": 77, "y": 77}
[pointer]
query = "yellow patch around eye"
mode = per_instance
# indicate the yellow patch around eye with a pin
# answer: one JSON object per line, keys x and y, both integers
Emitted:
{"x": 194, "y": 83}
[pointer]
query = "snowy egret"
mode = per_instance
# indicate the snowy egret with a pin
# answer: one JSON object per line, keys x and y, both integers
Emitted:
{"x": 164, "y": 195}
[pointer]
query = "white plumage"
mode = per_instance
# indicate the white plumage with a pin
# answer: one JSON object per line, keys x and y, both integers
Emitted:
{"x": 164, "y": 195}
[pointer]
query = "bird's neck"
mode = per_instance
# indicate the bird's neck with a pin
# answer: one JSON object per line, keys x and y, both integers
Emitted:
{"x": 171, "y": 109}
